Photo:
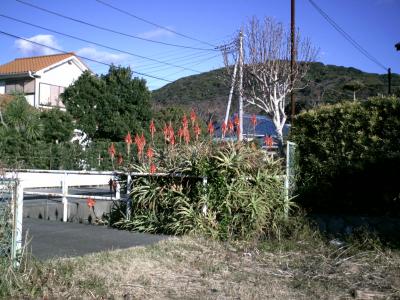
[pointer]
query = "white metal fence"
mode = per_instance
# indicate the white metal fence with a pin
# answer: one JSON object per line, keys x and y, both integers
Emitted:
{"x": 11, "y": 206}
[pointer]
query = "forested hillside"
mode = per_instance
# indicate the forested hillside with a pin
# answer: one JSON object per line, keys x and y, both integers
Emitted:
{"x": 208, "y": 92}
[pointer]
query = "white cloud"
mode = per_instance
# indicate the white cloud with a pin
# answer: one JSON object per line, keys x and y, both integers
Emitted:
{"x": 30, "y": 49}
{"x": 102, "y": 56}
{"x": 156, "y": 33}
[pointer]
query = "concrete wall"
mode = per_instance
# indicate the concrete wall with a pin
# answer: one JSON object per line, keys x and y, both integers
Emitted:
{"x": 78, "y": 211}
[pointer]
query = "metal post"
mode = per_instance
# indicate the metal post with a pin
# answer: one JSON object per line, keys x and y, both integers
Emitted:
{"x": 64, "y": 198}
{"x": 292, "y": 58}
{"x": 128, "y": 196}
{"x": 118, "y": 191}
{"x": 286, "y": 210}
{"x": 241, "y": 85}
{"x": 18, "y": 197}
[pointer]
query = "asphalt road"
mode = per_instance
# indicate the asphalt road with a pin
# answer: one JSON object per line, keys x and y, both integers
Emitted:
{"x": 50, "y": 239}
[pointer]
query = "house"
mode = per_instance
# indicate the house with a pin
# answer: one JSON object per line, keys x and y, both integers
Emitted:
{"x": 41, "y": 78}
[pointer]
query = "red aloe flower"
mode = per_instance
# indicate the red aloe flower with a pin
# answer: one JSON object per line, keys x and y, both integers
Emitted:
{"x": 254, "y": 121}
{"x": 90, "y": 202}
{"x": 184, "y": 121}
{"x": 193, "y": 116}
{"x": 236, "y": 120}
{"x": 180, "y": 134}
{"x": 150, "y": 153}
{"x": 166, "y": 133}
{"x": 230, "y": 126}
{"x": 140, "y": 142}
{"x": 153, "y": 168}
{"x": 210, "y": 128}
{"x": 224, "y": 129}
{"x": 111, "y": 151}
{"x": 171, "y": 134}
{"x": 128, "y": 141}
{"x": 186, "y": 135}
{"x": 269, "y": 141}
{"x": 120, "y": 159}
{"x": 197, "y": 131}
{"x": 152, "y": 129}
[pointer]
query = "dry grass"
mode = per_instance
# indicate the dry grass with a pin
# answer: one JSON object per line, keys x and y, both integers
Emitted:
{"x": 194, "y": 268}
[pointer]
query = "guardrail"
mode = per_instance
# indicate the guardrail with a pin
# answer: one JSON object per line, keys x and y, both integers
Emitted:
{"x": 73, "y": 178}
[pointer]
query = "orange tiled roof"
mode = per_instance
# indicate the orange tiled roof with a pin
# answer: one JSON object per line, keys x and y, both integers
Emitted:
{"x": 33, "y": 64}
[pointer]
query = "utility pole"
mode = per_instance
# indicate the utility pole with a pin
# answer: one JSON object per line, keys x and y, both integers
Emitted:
{"x": 228, "y": 108}
{"x": 241, "y": 85}
{"x": 293, "y": 57}
{"x": 389, "y": 81}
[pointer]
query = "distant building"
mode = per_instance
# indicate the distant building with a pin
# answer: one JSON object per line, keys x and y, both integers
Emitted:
{"x": 265, "y": 127}
{"x": 41, "y": 78}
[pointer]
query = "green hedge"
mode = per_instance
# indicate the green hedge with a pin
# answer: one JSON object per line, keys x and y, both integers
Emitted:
{"x": 349, "y": 157}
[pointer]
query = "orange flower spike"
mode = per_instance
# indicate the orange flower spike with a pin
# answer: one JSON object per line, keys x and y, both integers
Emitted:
{"x": 254, "y": 120}
{"x": 128, "y": 142}
{"x": 142, "y": 141}
{"x": 153, "y": 168}
{"x": 236, "y": 120}
{"x": 128, "y": 139}
{"x": 197, "y": 131}
{"x": 90, "y": 202}
{"x": 193, "y": 116}
{"x": 150, "y": 153}
{"x": 184, "y": 121}
{"x": 230, "y": 126}
{"x": 210, "y": 128}
{"x": 165, "y": 132}
{"x": 224, "y": 129}
{"x": 111, "y": 151}
{"x": 152, "y": 129}
{"x": 180, "y": 134}
{"x": 269, "y": 141}
{"x": 186, "y": 135}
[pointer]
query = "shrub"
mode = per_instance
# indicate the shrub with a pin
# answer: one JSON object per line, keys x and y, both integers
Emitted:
{"x": 243, "y": 197}
{"x": 349, "y": 157}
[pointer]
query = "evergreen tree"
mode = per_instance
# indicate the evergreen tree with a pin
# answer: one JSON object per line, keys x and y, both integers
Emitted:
{"x": 109, "y": 106}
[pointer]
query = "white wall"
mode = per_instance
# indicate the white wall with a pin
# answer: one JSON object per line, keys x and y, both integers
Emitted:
{"x": 62, "y": 74}
{"x": 2, "y": 87}
{"x": 36, "y": 180}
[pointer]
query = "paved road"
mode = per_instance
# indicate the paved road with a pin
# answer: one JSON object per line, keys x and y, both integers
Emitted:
{"x": 51, "y": 239}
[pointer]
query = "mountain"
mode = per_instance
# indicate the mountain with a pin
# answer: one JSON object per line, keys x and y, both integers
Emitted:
{"x": 208, "y": 92}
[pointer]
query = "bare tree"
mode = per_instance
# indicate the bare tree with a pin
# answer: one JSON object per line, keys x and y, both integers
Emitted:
{"x": 267, "y": 70}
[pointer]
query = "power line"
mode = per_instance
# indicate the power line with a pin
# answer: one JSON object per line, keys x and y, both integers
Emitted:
{"x": 183, "y": 62}
{"x": 197, "y": 63}
{"x": 80, "y": 56}
{"x": 347, "y": 36}
{"x": 154, "y": 24}
{"x": 111, "y": 30}
{"x": 98, "y": 44}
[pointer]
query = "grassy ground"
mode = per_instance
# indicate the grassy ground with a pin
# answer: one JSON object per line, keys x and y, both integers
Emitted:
{"x": 195, "y": 268}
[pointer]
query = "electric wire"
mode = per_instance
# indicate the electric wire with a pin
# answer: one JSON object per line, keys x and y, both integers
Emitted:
{"x": 98, "y": 44}
{"x": 80, "y": 56}
{"x": 111, "y": 30}
{"x": 154, "y": 24}
{"x": 347, "y": 36}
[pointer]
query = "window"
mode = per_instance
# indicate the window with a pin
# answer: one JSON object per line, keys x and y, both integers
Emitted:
{"x": 49, "y": 95}
{"x": 26, "y": 86}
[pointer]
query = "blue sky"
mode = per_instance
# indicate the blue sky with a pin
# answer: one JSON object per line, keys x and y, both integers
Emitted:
{"x": 374, "y": 24}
